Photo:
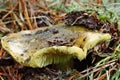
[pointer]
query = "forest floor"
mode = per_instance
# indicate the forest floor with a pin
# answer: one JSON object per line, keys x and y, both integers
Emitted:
{"x": 18, "y": 15}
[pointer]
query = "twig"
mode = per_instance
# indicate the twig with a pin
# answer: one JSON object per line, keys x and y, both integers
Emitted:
{"x": 51, "y": 72}
{"x": 96, "y": 68}
{"x": 99, "y": 66}
{"x": 76, "y": 20}
{"x": 105, "y": 74}
{"x": 23, "y": 4}
{"x": 9, "y": 12}
{"x": 26, "y": 19}
{"x": 1, "y": 78}
{"x": 97, "y": 73}
{"x": 32, "y": 13}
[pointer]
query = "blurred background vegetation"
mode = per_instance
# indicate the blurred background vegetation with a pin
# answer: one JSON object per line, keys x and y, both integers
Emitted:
{"x": 17, "y": 15}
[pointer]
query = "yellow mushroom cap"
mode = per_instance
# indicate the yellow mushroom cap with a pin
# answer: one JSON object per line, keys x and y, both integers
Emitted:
{"x": 42, "y": 47}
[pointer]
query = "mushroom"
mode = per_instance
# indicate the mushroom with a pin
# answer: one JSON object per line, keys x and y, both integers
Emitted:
{"x": 42, "y": 47}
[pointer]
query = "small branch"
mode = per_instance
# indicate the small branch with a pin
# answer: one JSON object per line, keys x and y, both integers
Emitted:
{"x": 105, "y": 74}
{"x": 96, "y": 68}
{"x": 23, "y": 4}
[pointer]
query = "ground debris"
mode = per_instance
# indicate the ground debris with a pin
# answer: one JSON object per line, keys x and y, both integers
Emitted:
{"x": 13, "y": 19}
{"x": 82, "y": 18}
{"x": 44, "y": 19}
